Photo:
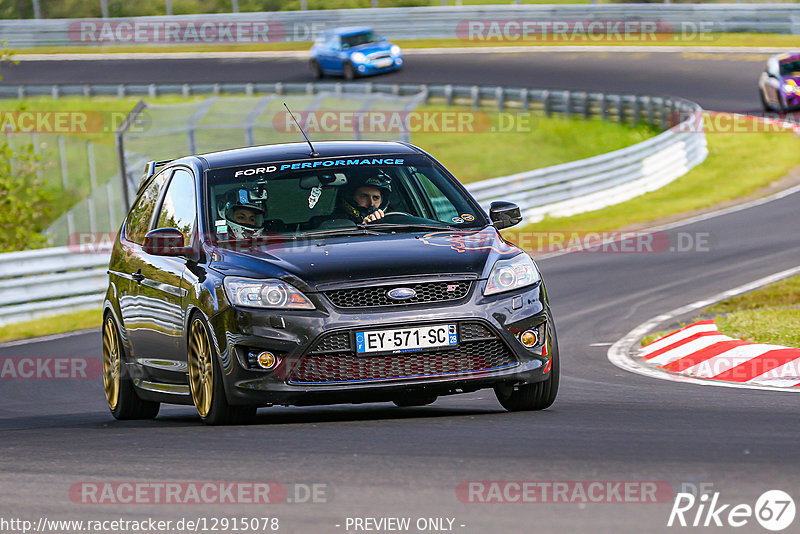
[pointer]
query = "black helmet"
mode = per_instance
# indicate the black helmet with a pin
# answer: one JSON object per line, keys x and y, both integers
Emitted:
{"x": 382, "y": 181}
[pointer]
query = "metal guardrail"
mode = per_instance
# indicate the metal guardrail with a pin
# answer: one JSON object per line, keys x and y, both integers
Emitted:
{"x": 61, "y": 279}
{"x": 36, "y": 283}
{"x": 396, "y": 23}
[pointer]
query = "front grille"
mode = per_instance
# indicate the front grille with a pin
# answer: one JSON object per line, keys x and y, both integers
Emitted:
{"x": 479, "y": 350}
{"x": 367, "y": 297}
{"x": 378, "y": 55}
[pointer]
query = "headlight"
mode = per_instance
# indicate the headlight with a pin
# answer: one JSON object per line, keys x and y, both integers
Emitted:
{"x": 789, "y": 88}
{"x": 515, "y": 273}
{"x": 265, "y": 294}
{"x": 358, "y": 57}
{"x": 395, "y": 50}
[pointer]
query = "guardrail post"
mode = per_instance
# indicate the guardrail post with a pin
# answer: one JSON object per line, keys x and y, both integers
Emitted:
{"x": 548, "y": 105}
{"x": 54, "y": 91}
{"x": 603, "y": 107}
{"x": 476, "y": 96}
{"x": 621, "y": 109}
{"x": 448, "y": 94}
{"x": 87, "y": 91}
{"x": 338, "y": 89}
{"x": 662, "y": 113}
{"x": 650, "y": 119}
{"x": 567, "y": 104}
{"x": 368, "y": 88}
{"x": 309, "y": 88}
{"x": 152, "y": 92}
{"x": 279, "y": 88}
{"x": 499, "y": 97}
{"x": 20, "y": 92}
{"x": 110, "y": 196}
{"x": 62, "y": 149}
{"x": 121, "y": 90}
{"x": 637, "y": 110}
{"x": 426, "y": 93}
{"x": 396, "y": 89}
{"x": 185, "y": 90}
{"x": 93, "y": 183}
{"x": 523, "y": 99}
{"x": 216, "y": 90}
{"x": 587, "y": 106}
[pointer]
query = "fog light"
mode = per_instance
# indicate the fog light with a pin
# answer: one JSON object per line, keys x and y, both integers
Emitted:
{"x": 529, "y": 338}
{"x": 267, "y": 360}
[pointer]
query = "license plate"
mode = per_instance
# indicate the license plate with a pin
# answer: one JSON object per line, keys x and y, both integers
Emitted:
{"x": 380, "y": 63}
{"x": 406, "y": 339}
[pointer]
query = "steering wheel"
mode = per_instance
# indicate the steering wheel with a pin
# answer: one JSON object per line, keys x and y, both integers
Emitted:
{"x": 396, "y": 213}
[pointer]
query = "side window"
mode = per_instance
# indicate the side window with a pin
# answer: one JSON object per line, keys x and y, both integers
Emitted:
{"x": 178, "y": 209}
{"x": 138, "y": 223}
{"x": 443, "y": 208}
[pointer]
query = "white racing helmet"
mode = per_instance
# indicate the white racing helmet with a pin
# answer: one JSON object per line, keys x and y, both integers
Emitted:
{"x": 244, "y": 217}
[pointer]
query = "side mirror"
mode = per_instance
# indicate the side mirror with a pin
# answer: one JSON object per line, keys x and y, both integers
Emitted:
{"x": 383, "y": 38}
{"x": 165, "y": 242}
{"x": 504, "y": 214}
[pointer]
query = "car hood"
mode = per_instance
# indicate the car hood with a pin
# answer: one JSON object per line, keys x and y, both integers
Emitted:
{"x": 371, "y": 48}
{"x": 320, "y": 264}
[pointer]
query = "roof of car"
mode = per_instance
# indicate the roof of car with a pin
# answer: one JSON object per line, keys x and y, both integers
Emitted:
{"x": 295, "y": 151}
{"x": 350, "y": 30}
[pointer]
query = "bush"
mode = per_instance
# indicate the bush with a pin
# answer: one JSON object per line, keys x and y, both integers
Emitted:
{"x": 24, "y": 202}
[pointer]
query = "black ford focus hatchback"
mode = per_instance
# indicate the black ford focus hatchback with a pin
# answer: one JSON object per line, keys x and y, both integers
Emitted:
{"x": 359, "y": 272}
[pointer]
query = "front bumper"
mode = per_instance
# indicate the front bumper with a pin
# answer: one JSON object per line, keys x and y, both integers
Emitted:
{"x": 296, "y": 336}
{"x": 368, "y": 68}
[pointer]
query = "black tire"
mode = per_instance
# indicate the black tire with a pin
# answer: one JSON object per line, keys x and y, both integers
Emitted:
{"x": 764, "y": 103}
{"x": 783, "y": 108}
{"x": 349, "y": 72}
{"x": 205, "y": 378}
{"x": 536, "y": 396}
{"x": 415, "y": 400}
{"x": 121, "y": 395}
{"x": 316, "y": 70}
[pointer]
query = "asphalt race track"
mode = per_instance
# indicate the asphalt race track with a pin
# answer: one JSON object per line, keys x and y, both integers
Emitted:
{"x": 380, "y": 461}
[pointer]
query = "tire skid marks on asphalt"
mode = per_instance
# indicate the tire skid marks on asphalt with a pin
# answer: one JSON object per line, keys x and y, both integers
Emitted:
{"x": 700, "y": 350}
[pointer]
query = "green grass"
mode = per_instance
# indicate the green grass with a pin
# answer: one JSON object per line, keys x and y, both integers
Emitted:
{"x": 738, "y": 165}
{"x": 768, "y": 315}
{"x": 716, "y": 39}
{"x": 57, "y": 324}
{"x": 523, "y": 141}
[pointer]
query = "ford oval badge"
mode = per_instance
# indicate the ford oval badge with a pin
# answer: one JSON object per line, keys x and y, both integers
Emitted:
{"x": 401, "y": 293}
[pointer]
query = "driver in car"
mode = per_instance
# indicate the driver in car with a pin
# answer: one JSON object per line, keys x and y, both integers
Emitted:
{"x": 367, "y": 202}
{"x": 243, "y": 217}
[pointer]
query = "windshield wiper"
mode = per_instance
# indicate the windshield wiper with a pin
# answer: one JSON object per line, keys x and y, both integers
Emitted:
{"x": 360, "y": 230}
{"x": 414, "y": 226}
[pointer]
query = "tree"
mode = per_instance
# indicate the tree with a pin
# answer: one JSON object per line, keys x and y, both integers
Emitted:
{"x": 24, "y": 201}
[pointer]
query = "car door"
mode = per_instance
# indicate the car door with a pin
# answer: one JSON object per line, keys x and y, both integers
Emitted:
{"x": 126, "y": 269}
{"x": 159, "y": 340}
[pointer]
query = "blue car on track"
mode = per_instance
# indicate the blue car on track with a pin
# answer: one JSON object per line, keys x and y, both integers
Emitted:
{"x": 353, "y": 51}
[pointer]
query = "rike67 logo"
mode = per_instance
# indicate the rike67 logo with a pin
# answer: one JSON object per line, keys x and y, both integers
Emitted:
{"x": 774, "y": 510}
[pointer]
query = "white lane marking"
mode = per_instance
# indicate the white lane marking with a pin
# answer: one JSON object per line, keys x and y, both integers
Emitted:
{"x": 51, "y": 337}
{"x": 603, "y": 344}
{"x": 619, "y": 353}
{"x": 687, "y": 349}
{"x": 788, "y": 371}
{"x": 777, "y": 382}
{"x": 677, "y": 336}
{"x": 304, "y": 54}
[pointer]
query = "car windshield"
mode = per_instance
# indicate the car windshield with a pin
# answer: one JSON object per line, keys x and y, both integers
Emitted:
{"x": 358, "y": 39}
{"x": 332, "y": 196}
{"x": 790, "y": 67}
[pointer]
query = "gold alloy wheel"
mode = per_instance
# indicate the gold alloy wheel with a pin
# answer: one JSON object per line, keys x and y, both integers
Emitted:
{"x": 111, "y": 363}
{"x": 201, "y": 368}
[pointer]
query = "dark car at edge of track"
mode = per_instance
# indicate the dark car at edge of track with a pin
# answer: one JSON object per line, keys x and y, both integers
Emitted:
{"x": 247, "y": 278}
